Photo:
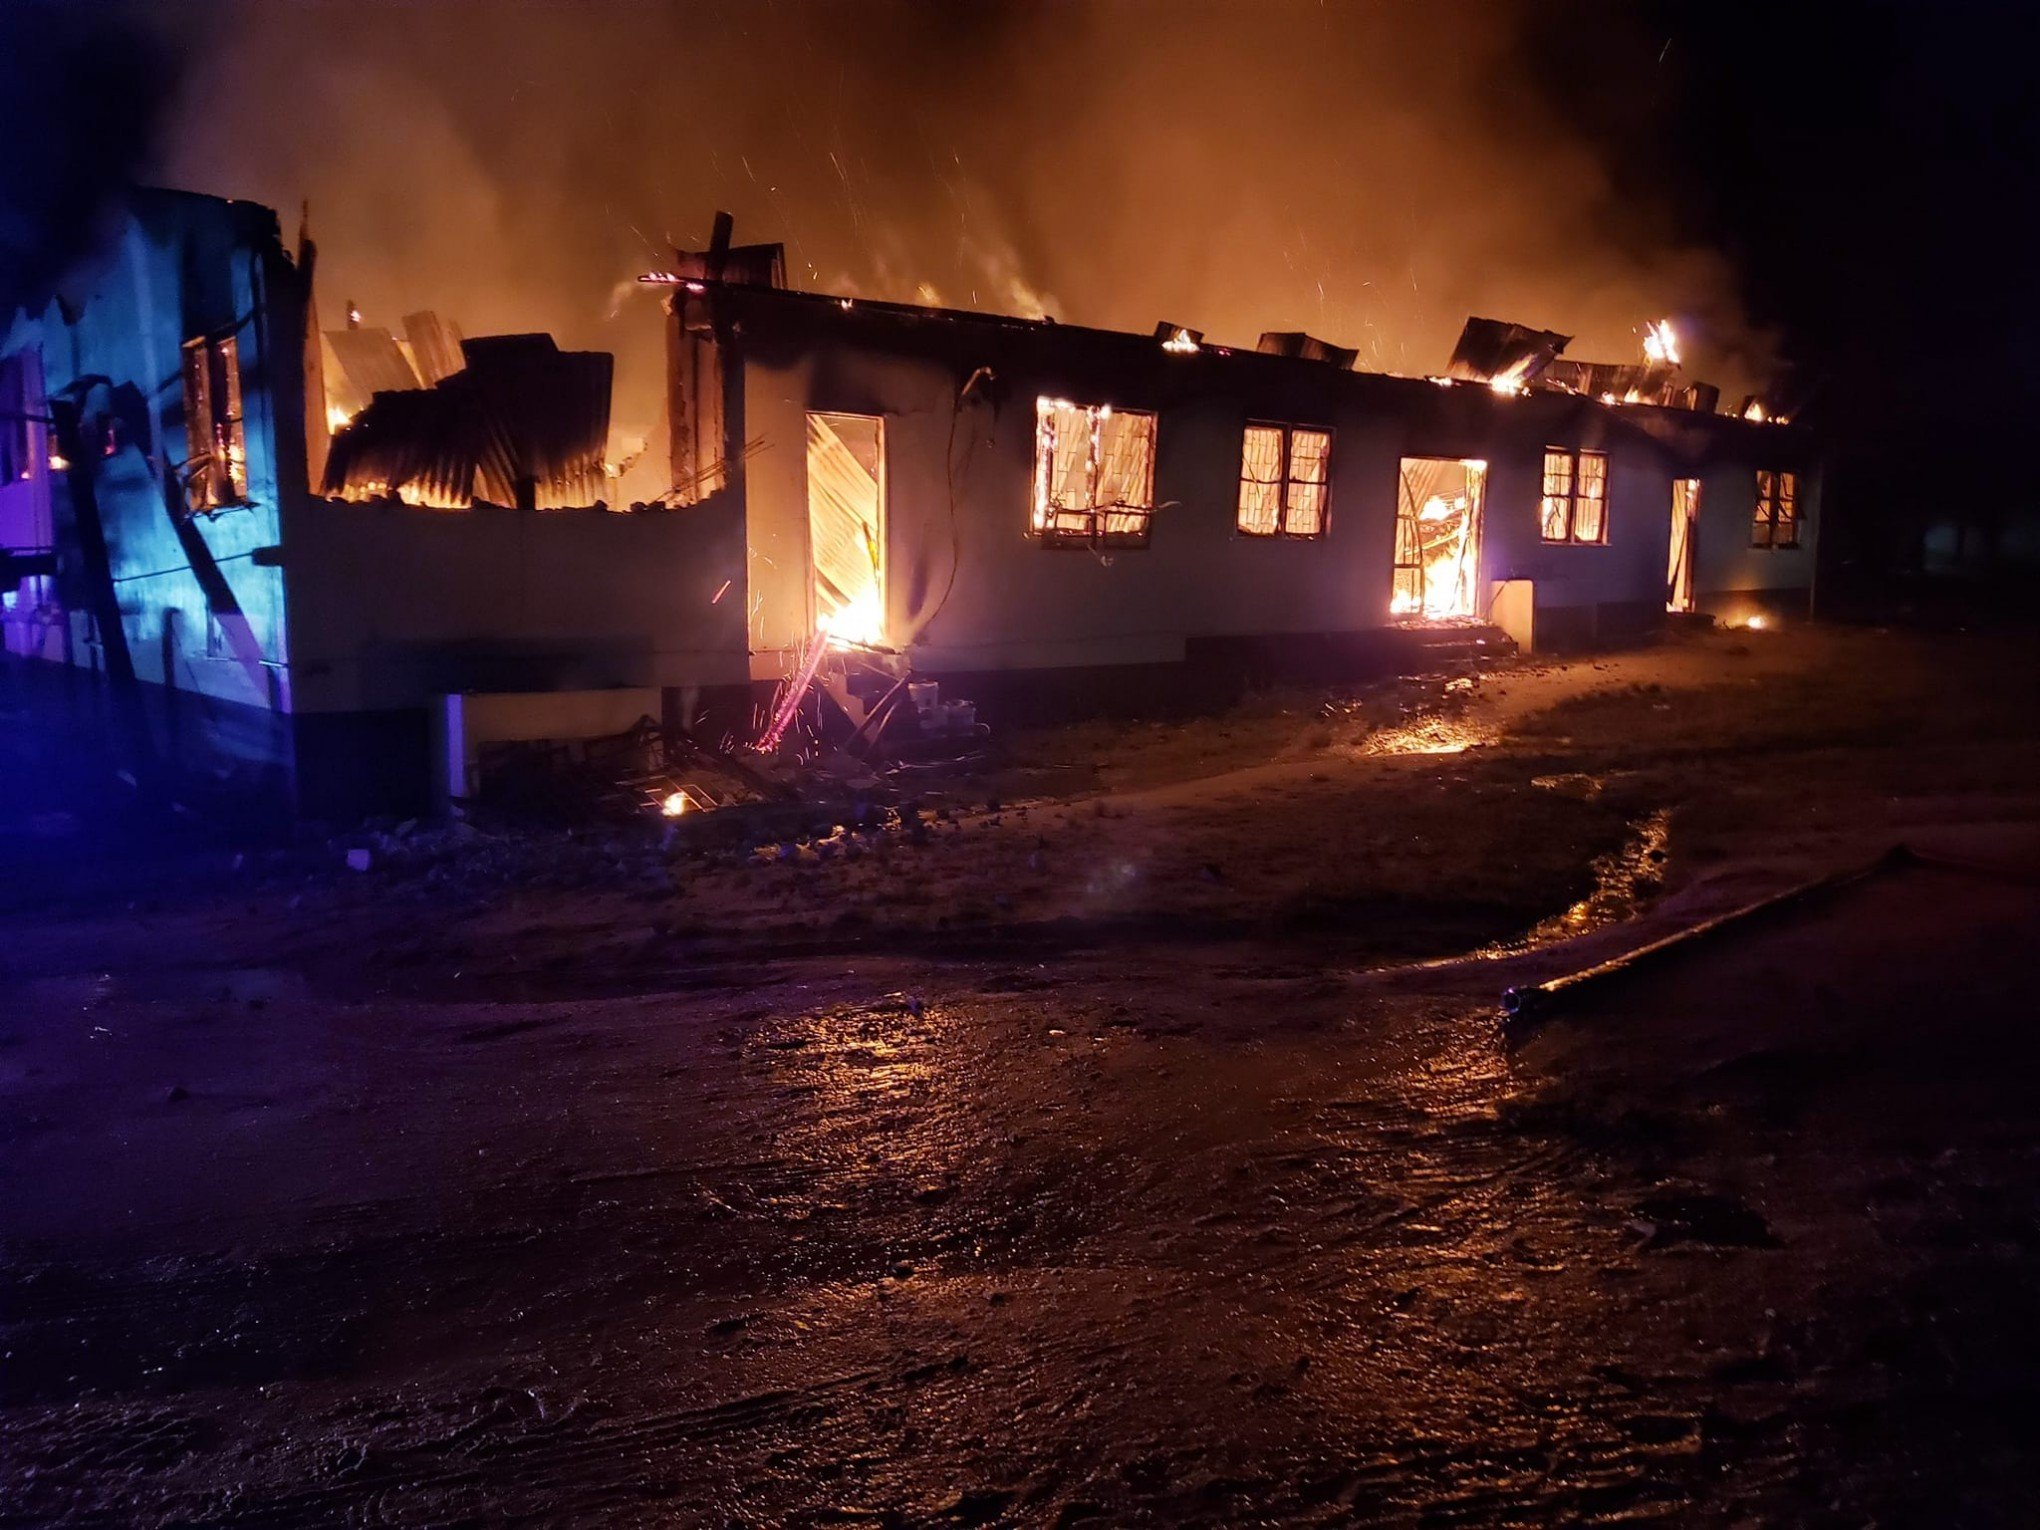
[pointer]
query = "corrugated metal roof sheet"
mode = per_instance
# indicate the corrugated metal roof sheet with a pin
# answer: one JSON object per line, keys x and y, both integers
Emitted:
{"x": 1492, "y": 348}
{"x": 520, "y": 412}
{"x": 435, "y": 345}
{"x": 365, "y": 362}
{"x": 1294, "y": 342}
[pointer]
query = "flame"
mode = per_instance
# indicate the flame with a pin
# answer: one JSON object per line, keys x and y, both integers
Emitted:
{"x": 1513, "y": 381}
{"x": 1661, "y": 343}
{"x": 1755, "y": 622}
{"x": 1754, "y": 412}
{"x": 1448, "y": 581}
{"x": 860, "y": 623}
{"x": 337, "y": 419}
{"x": 675, "y": 804}
{"x": 1180, "y": 343}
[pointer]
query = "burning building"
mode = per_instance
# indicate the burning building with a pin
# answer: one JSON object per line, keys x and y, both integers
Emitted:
{"x": 335, "y": 554}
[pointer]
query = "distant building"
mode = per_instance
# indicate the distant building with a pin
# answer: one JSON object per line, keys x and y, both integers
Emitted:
{"x": 313, "y": 537}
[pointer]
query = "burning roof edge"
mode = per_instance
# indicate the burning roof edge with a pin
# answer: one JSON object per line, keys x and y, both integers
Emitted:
{"x": 825, "y": 305}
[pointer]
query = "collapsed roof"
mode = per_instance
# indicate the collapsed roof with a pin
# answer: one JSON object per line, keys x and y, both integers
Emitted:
{"x": 520, "y": 423}
{"x": 1491, "y": 349}
{"x": 1510, "y": 356}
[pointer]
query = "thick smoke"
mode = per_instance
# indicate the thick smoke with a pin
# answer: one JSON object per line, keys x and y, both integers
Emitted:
{"x": 1370, "y": 173}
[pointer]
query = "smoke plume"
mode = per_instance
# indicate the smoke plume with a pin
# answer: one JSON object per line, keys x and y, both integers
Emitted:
{"x": 1370, "y": 173}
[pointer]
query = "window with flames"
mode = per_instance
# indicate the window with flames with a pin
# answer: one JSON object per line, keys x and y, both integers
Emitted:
{"x": 1777, "y": 516}
{"x": 216, "y": 467}
{"x": 1575, "y": 504}
{"x": 1285, "y": 480}
{"x": 1094, "y": 474}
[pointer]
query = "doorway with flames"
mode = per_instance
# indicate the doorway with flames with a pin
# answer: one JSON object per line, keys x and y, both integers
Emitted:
{"x": 1439, "y": 504}
{"x": 846, "y": 525}
{"x": 1685, "y": 525}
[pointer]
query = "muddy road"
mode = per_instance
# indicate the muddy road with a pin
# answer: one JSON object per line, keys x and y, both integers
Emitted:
{"x": 1250, "y": 1224}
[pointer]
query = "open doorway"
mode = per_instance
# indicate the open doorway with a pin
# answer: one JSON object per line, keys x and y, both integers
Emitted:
{"x": 846, "y": 524}
{"x": 1437, "y": 538}
{"x": 1685, "y": 521}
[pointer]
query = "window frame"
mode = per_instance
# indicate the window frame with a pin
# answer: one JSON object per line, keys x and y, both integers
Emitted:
{"x": 1572, "y": 497}
{"x": 1287, "y": 483}
{"x": 1776, "y": 487}
{"x": 215, "y": 424}
{"x": 1042, "y": 520}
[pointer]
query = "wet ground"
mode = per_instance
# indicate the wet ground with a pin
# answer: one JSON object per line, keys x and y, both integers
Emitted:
{"x": 1215, "y": 1200}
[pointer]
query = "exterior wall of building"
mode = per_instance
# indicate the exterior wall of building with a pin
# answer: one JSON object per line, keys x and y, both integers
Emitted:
{"x": 1730, "y": 573}
{"x": 961, "y": 470}
{"x": 1584, "y": 592}
{"x": 203, "y": 616}
{"x": 1733, "y": 576}
{"x": 969, "y": 589}
{"x": 393, "y": 604}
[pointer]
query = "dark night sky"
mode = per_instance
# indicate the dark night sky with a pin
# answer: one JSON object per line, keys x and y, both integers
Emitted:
{"x": 1840, "y": 191}
{"x": 1871, "y": 172}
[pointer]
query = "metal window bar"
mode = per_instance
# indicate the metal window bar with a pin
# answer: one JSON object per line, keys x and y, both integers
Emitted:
{"x": 1590, "y": 498}
{"x": 1309, "y": 486}
{"x": 1094, "y": 473}
{"x": 1575, "y": 502}
{"x": 1555, "y": 517}
{"x": 1786, "y": 521}
{"x": 1261, "y": 480}
{"x": 1284, "y": 480}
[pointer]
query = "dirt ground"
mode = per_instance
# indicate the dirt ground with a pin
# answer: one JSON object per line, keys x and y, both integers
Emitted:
{"x": 1137, "y": 1140}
